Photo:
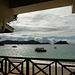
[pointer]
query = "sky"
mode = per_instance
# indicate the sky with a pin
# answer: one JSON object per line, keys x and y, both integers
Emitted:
{"x": 48, "y": 25}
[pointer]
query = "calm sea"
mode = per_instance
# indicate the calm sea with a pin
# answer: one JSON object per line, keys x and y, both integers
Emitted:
{"x": 61, "y": 51}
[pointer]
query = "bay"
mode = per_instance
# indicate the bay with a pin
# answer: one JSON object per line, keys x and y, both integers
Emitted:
{"x": 61, "y": 51}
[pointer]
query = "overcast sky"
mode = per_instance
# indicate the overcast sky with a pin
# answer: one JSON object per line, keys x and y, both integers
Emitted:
{"x": 46, "y": 25}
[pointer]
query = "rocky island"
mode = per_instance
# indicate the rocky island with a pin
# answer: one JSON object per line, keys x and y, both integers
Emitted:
{"x": 23, "y": 42}
{"x": 61, "y": 42}
{"x": 1, "y": 44}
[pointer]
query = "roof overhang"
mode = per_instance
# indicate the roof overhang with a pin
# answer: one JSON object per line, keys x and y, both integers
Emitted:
{"x": 8, "y": 8}
{"x": 73, "y": 4}
{"x": 19, "y": 3}
{"x": 6, "y": 29}
{"x": 22, "y": 6}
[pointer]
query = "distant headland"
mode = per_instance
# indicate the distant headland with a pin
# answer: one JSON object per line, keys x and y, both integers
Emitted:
{"x": 1, "y": 44}
{"x": 29, "y": 42}
{"x": 61, "y": 42}
{"x": 22, "y": 42}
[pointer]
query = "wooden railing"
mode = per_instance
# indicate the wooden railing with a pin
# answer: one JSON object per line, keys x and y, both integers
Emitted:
{"x": 36, "y": 66}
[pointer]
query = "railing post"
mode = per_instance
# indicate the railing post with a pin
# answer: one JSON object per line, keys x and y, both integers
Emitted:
{"x": 2, "y": 66}
{"x": 62, "y": 70}
{"x": 27, "y": 66}
{"x": 5, "y": 73}
{"x": 50, "y": 70}
{"x": 22, "y": 68}
{"x": 33, "y": 70}
{"x": 55, "y": 67}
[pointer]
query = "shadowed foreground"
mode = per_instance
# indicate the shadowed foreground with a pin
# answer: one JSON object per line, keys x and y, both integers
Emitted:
{"x": 36, "y": 66}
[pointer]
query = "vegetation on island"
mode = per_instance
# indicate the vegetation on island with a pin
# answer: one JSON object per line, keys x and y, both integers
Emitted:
{"x": 23, "y": 42}
{"x": 29, "y": 42}
{"x": 61, "y": 42}
{"x": 1, "y": 44}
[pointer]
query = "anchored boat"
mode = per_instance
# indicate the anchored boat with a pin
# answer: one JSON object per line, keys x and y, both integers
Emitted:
{"x": 14, "y": 46}
{"x": 40, "y": 50}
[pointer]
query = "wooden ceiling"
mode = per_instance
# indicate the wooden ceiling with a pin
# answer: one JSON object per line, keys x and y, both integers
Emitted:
{"x": 8, "y": 8}
{"x": 18, "y": 3}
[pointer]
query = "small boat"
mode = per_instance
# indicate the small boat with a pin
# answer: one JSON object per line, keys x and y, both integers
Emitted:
{"x": 40, "y": 50}
{"x": 1, "y": 44}
{"x": 14, "y": 46}
{"x": 55, "y": 47}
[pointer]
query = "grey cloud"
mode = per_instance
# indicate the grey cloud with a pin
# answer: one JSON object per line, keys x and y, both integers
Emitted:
{"x": 45, "y": 24}
{"x": 30, "y": 38}
{"x": 45, "y": 39}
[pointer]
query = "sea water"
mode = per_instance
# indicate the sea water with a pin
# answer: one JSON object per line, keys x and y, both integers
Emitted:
{"x": 60, "y": 52}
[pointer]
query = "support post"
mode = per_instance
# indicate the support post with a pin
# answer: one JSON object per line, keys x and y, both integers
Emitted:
{"x": 62, "y": 70}
{"x": 27, "y": 66}
{"x": 5, "y": 73}
{"x": 55, "y": 67}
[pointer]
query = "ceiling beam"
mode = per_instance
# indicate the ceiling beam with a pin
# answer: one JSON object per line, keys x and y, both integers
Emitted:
{"x": 19, "y": 3}
{"x": 73, "y": 8}
{"x": 42, "y": 6}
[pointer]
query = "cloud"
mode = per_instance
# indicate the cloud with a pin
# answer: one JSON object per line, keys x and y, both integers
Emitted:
{"x": 45, "y": 40}
{"x": 58, "y": 37}
{"x": 46, "y": 23}
{"x": 30, "y": 38}
{"x": 47, "y": 26}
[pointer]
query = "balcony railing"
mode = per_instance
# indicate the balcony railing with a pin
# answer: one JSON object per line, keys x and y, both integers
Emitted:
{"x": 36, "y": 66}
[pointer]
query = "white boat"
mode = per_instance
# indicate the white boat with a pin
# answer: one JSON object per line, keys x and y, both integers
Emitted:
{"x": 40, "y": 50}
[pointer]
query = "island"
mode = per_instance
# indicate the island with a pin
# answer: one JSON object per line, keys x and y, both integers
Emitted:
{"x": 23, "y": 42}
{"x": 61, "y": 42}
{"x": 1, "y": 44}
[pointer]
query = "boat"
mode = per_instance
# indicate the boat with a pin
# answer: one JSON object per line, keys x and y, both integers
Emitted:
{"x": 14, "y": 46}
{"x": 55, "y": 47}
{"x": 1, "y": 44}
{"x": 40, "y": 50}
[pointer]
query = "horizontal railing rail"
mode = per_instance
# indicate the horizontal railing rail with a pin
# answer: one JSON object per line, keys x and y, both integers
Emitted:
{"x": 34, "y": 66}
